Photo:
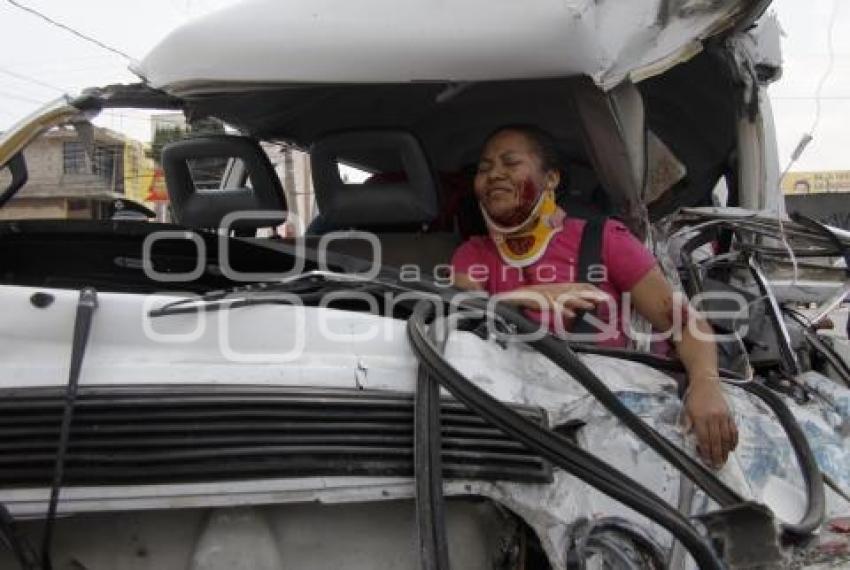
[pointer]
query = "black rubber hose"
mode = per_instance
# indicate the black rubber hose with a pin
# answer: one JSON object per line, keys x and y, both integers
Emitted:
{"x": 560, "y": 354}
{"x": 816, "y": 499}
{"x": 86, "y": 306}
{"x": 556, "y": 448}
{"x": 428, "y": 471}
{"x": 20, "y": 547}
{"x": 830, "y": 482}
{"x": 652, "y": 360}
{"x": 625, "y": 529}
{"x": 628, "y": 529}
{"x": 603, "y": 544}
{"x": 825, "y": 231}
{"x": 821, "y": 346}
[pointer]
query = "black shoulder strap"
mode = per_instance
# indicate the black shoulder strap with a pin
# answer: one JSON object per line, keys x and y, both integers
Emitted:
{"x": 589, "y": 255}
{"x": 590, "y": 247}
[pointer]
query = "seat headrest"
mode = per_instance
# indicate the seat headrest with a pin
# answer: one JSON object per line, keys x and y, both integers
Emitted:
{"x": 200, "y": 208}
{"x": 403, "y": 192}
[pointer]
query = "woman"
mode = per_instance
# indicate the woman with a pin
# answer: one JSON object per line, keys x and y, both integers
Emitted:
{"x": 530, "y": 255}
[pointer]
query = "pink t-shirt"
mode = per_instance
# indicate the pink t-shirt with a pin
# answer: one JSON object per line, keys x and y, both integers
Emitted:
{"x": 625, "y": 259}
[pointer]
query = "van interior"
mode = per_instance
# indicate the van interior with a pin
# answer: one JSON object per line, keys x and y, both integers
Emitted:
{"x": 418, "y": 145}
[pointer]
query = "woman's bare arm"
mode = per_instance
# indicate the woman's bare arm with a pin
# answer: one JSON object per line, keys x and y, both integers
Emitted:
{"x": 653, "y": 298}
{"x": 567, "y": 298}
{"x": 706, "y": 407}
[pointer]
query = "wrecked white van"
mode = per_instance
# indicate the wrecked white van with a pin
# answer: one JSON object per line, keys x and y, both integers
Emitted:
{"x": 192, "y": 396}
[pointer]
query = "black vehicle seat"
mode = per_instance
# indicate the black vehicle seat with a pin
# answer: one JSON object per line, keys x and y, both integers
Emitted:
{"x": 207, "y": 209}
{"x": 398, "y": 204}
{"x": 581, "y": 195}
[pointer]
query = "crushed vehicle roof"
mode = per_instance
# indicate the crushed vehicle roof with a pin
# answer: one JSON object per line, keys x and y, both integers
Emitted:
{"x": 471, "y": 40}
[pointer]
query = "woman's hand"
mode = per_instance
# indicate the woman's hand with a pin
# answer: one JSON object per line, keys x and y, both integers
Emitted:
{"x": 705, "y": 407}
{"x": 710, "y": 418}
{"x": 567, "y": 297}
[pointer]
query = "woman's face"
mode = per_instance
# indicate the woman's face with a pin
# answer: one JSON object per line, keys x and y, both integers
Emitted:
{"x": 510, "y": 177}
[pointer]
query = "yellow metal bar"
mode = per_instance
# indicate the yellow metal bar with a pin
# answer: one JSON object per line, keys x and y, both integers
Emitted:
{"x": 53, "y": 114}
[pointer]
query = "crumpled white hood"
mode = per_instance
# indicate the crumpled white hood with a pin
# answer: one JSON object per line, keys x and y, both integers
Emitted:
{"x": 332, "y": 41}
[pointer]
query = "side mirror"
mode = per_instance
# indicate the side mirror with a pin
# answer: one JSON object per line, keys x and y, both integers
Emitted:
{"x": 211, "y": 177}
{"x": 124, "y": 209}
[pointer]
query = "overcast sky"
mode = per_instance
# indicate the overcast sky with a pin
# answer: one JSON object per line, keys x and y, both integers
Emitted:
{"x": 38, "y": 62}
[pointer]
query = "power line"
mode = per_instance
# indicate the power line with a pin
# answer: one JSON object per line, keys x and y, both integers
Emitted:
{"x": 830, "y": 31}
{"x": 818, "y": 97}
{"x": 69, "y": 29}
{"x": 38, "y": 82}
{"x": 112, "y": 63}
{"x": 19, "y": 97}
{"x": 809, "y": 136}
{"x": 52, "y": 62}
{"x": 29, "y": 79}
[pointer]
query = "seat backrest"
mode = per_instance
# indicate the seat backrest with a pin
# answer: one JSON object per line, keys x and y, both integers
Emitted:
{"x": 582, "y": 196}
{"x": 206, "y": 208}
{"x": 397, "y": 203}
{"x": 407, "y": 198}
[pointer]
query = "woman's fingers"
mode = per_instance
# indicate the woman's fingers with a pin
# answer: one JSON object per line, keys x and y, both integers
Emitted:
{"x": 718, "y": 457}
{"x": 566, "y": 298}
{"x": 555, "y": 305}
{"x": 570, "y": 301}
{"x": 588, "y": 291}
{"x": 728, "y": 436}
{"x": 712, "y": 421}
{"x": 708, "y": 442}
{"x": 733, "y": 430}
{"x": 717, "y": 437}
{"x": 579, "y": 299}
{"x": 585, "y": 299}
{"x": 703, "y": 440}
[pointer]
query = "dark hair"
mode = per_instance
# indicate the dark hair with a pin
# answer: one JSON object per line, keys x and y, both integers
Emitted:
{"x": 545, "y": 146}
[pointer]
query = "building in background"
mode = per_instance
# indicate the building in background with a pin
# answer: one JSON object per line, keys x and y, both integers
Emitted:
{"x": 816, "y": 182}
{"x": 291, "y": 164}
{"x": 68, "y": 182}
{"x": 296, "y": 177}
{"x": 824, "y": 196}
{"x": 139, "y": 172}
{"x": 167, "y": 122}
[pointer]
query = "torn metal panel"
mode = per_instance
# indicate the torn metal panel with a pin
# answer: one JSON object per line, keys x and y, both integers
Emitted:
{"x": 473, "y": 40}
{"x": 763, "y": 43}
{"x": 614, "y": 129}
{"x": 747, "y": 536}
{"x": 68, "y": 110}
{"x": 664, "y": 170}
{"x": 20, "y": 135}
{"x": 763, "y": 468}
{"x": 308, "y": 536}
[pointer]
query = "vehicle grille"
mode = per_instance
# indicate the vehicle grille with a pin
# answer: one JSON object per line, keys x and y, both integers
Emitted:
{"x": 186, "y": 434}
